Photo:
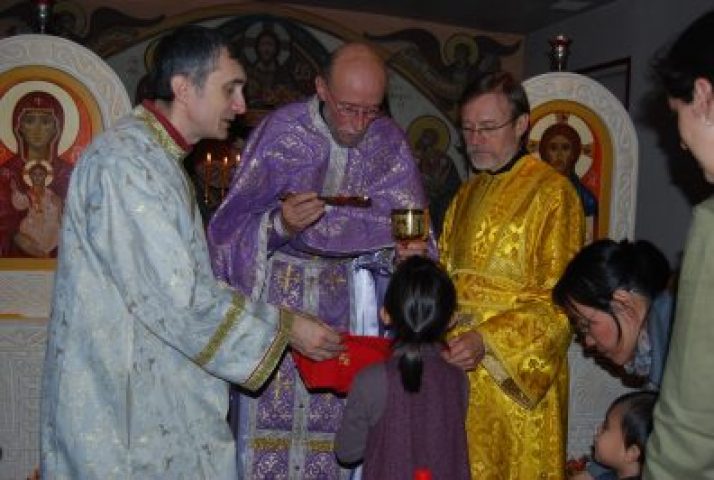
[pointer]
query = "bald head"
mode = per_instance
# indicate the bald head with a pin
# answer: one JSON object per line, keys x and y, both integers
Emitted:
{"x": 355, "y": 56}
{"x": 352, "y": 88}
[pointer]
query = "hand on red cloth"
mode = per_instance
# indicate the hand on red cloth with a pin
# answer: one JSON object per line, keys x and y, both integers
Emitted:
{"x": 314, "y": 339}
{"x": 337, "y": 373}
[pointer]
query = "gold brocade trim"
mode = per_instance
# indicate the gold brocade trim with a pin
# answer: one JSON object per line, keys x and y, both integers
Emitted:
{"x": 209, "y": 351}
{"x": 463, "y": 320}
{"x": 503, "y": 379}
{"x": 272, "y": 444}
{"x": 159, "y": 133}
{"x": 322, "y": 446}
{"x": 274, "y": 354}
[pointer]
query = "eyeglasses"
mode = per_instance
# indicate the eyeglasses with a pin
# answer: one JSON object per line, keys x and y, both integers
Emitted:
{"x": 487, "y": 130}
{"x": 352, "y": 111}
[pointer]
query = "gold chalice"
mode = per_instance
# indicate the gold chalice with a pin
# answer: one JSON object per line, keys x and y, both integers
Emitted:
{"x": 410, "y": 224}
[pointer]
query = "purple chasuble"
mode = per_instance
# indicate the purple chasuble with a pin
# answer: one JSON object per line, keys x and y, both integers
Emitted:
{"x": 287, "y": 432}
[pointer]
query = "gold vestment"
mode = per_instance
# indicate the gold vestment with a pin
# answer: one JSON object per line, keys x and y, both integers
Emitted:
{"x": 507, "y": 238}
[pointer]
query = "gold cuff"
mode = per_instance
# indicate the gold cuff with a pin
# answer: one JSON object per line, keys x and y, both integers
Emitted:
{"x": 499, "y": 374}
{"x": 275, "y": 352}
{"x": 214, "y": 343}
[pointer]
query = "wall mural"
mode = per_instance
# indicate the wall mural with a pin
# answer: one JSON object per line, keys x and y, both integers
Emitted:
{"x": 282, "y": 54}
{"x": 430, "y": 138}
{"x": 281, "y": 58}
{"x": 105, "y": 31}
{"x": 444, "y": 69}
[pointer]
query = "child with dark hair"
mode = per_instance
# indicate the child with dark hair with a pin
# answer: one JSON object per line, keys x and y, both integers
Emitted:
{"x": 410, "y": 411}
{"x": 621, "y": 439}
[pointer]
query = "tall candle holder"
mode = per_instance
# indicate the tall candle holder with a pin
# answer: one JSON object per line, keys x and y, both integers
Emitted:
{"x": 44, "y": 13}
{"x": 224, "y": 177}
{"x": 207, "y": 179}
{"x": 560, "y": 50}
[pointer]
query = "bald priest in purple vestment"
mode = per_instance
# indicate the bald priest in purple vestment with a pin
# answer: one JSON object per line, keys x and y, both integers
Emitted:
{"x": 278, "y": 238}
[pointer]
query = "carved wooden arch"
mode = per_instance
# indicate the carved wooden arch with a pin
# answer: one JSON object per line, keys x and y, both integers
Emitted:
{"x": 584, "y": 97}
{"x": 592, "y": 387}
{"x": 73, "y": 59}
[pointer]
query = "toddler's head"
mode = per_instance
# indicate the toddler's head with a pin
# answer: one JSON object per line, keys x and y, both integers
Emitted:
{"x": 621, "y": 439}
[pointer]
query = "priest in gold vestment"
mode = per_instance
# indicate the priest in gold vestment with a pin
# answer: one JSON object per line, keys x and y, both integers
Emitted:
{"x": 508, "y": 234}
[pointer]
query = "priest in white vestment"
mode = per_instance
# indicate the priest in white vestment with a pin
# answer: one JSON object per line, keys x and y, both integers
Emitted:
{"x": 143, "y": 341}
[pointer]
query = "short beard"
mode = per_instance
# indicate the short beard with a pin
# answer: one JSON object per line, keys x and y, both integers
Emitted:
{"x": 337, "y": 138}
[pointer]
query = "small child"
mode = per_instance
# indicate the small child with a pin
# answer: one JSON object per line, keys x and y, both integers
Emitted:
{"x": 409, "y": 412}
{"x": 620, "y": 441}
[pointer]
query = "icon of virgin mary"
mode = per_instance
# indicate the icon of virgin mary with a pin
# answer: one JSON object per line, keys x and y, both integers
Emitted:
{"x": 38, "y": 125}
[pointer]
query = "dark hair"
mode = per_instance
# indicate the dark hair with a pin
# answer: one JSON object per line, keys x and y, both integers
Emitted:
{"x": 689, "y": 58}
{"x": 499, "y": 82}
{"x": 420, "y": 300}
{"x": 602, "y": 267}
{"x": 636, "y": 418}
{"x": 192, "y": 51}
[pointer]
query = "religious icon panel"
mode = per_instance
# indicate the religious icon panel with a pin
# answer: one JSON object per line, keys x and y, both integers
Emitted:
{"x": 575, "y": 141}
{"x": 48, "y": 119}
{"x": 55, "y": 96}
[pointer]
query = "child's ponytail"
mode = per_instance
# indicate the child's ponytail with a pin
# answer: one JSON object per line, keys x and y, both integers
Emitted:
{"x": 410, "y": 366}
{"x": 420, "y": 301}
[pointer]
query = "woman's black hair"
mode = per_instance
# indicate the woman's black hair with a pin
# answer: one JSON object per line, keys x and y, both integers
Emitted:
{"x": 593, "y": 275}
{"x": 687, "y": 59}
{"x": 636, "y": 418}
{"x": 420, "y": 300}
